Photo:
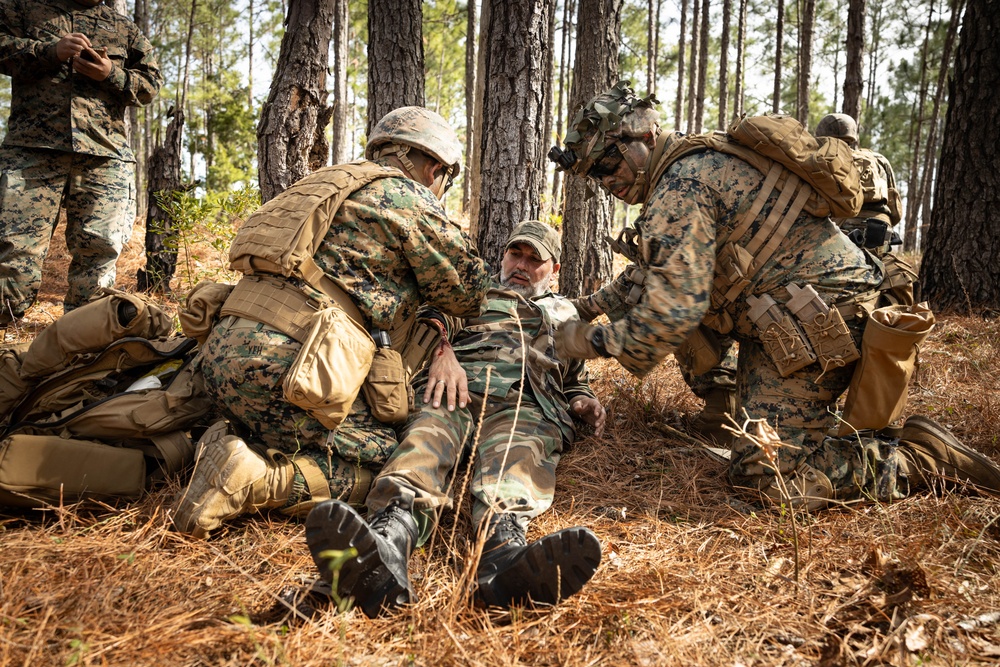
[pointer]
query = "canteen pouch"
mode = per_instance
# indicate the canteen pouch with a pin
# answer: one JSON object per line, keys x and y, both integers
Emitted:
{"x": 46, "y": 469}
{"x": 889, "y": 346}
{"x": 701, "y": 351}
{"x": 386, "y": 389}
{"x": 329, "y": 370}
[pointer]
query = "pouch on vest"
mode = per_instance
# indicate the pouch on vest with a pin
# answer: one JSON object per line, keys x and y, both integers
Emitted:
{"x": 37, "y": 470}
{"x": 701, "y": 351}
{"x": 386, "y": 389}
{"x": 93, "y": 327}
{"x": 202, "y": 309}
{"x": 329, "y": 370}
{"x": 877, "y": 393}
{"x": 782, "y": 338}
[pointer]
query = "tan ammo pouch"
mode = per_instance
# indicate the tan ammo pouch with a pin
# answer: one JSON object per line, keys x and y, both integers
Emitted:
{"x": 877, "y": 393}
{"x": 783, "y": 339}
{"x": 37, "y": 470}
{"x": 386, "y": 389}
{"x": 824, "y": 326}
{"x": 701, "y": 352}
{"x": 89, "y": 328}
{"x": 203, "y": 308}
{"x": 329, "y": 370}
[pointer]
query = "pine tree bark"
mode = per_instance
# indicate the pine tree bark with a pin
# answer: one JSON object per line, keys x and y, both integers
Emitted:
{"x": 702, "y": 68}
{"x": 693, "y": 64}
{"x": 470, "y": 101}
{"x": 741, "y": 40}
{"x": 959, "y": 271}
{"x": 855, "y": 55}
{"x": 727, "y": 10}
{"x": 586, "y": 257}
{"x": 512, "y": 54}
{"x": 805, "y": 60}
{"x": 291, "y": 135}
{"x": 340, "y": 145}
{"x": 395, "y": 57}
{"x": 679, "y": 102}
{"x": 779, "y": 48}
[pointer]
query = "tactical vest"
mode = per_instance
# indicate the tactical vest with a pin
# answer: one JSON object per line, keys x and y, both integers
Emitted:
{"x": 878, "y": 188}
{"x": 817, "y": 176}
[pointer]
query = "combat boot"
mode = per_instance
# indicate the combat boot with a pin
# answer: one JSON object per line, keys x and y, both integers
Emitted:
{"x": 229, "y": 480}
{"x": 377, "y": 577}
{"x": 549, "y": 570}
{"x": 719, "y": 403}
{"x": 935, "y": 451}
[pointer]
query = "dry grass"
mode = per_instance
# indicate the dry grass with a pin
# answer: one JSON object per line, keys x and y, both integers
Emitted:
{"x": 690, "y": 576}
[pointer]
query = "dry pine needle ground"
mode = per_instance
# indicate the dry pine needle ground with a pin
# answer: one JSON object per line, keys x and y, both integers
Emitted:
{"x": 691, "y": 574}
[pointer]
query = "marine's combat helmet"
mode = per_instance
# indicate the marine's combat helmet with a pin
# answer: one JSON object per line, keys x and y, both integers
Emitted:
{"x": 839, "y": 125}
{"x": 420, "y": 128}
{"x": 605, "y": 121}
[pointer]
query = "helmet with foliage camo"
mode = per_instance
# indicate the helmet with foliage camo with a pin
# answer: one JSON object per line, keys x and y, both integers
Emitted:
{"x": 839, "y": 125}
{"x": 415, "y": 127}
{"x": 602, "y": 123}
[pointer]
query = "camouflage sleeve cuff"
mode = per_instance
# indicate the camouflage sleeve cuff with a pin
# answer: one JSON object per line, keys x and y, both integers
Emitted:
{"x": 116, "y": 79}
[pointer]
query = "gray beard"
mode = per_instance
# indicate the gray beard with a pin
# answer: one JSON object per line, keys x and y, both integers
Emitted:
{"x": 527, "y": 291}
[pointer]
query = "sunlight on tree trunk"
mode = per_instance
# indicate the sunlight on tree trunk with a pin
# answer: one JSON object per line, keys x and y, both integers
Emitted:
{"x": 395, "y": 57}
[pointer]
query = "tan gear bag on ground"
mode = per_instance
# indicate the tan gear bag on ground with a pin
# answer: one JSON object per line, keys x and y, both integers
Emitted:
{"x": 889, "y": 347}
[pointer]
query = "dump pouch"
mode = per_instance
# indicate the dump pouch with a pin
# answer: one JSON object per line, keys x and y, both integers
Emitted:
{"x": 93, "y": 327}
{"x": 329, "y": 370}
{"x": 386, "y": 389}
{"x": 202, "y": 309}
{"x": 701, "y": 351}
{"x": 877, "y": 393}
{"x": 37, "y": 470}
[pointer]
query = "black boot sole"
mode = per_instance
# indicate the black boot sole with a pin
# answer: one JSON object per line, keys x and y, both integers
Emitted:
{"x": 547, "y": 571}
{"x": 334, "y": 525}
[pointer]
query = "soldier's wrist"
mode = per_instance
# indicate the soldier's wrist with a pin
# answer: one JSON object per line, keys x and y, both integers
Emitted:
{"x": 597, "y": 341}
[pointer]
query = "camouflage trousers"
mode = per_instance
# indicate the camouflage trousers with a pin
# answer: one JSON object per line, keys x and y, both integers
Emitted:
{"x": 244, "y": 364}
{"x": 802, "y": 409}
{"x": 722, "y": 376}
{"x": 515, "y": 453}
{"x": 98, "y": 194}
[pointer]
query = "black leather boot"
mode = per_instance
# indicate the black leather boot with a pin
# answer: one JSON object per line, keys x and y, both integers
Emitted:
{"x": 543, "y": 572}
{"x": 377, "y": 577}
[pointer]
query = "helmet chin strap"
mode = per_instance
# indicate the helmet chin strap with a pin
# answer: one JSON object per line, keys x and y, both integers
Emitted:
{"x": 640, "y": 184}
{"x": 398, "y": 151}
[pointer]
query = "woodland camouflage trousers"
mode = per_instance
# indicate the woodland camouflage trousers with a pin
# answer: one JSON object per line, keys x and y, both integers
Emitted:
{"x": 515, "y": 452}
{"x": 98, "y": 195}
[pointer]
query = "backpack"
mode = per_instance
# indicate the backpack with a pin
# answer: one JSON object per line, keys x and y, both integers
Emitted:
{"x": 81, "y": 417}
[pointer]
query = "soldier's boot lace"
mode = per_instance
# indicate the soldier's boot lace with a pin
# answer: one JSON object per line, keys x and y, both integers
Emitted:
{"x": 229, "y": 480}
{"x": 933, "y": 451}
{"x": 544, "y": 572}
{"x": 376, "y": 578}
{"x": 719, "y": 403}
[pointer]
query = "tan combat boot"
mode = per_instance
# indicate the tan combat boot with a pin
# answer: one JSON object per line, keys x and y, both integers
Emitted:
{"x": 935, "y": 451}
{"x": 229, "y": 480}
{"x": 709, "y": 422}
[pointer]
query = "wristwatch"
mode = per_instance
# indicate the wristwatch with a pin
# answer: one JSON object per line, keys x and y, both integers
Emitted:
{"x": 597, "y": 340}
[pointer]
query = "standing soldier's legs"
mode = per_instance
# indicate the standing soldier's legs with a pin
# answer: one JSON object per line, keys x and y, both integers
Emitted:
{"x": 98, "y": 201}
{"x": 31, "y": 189}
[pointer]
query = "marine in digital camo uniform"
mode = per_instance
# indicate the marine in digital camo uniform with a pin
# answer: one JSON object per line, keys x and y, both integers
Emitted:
{"x": 691, "y": 207}
{"x": 75, "y": 67}
{"x": 531, "y": 400}
{"x": 880, "y": 212}
{"x": 389, "y": 247}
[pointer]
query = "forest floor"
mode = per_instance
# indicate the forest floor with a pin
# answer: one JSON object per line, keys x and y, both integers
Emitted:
{"x": 691, "y": 574}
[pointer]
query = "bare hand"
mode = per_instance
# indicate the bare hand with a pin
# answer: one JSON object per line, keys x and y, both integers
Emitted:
{"x": 71, "y": 45}
{"x": 93, "y": 64}
{"x": 591, "y": 411}
{"x": 445, "y": 373}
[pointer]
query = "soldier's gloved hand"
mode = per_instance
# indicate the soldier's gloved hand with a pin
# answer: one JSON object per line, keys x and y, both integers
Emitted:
{"x": 574, "y": 340}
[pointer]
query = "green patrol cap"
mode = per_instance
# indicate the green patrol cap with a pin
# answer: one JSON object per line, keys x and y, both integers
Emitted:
{"x": 543, "y": 238}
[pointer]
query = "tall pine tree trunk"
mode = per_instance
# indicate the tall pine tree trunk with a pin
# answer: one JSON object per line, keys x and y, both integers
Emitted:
{"x": 805, "y": 60}
{"x": 470, "y": 102}
{"x": 512, "y": 87}
{"x": 741, "y": 39}
{"x": 587, "y": 259}
{"x": 959, "y": 271}
{"x": 693, "y": 64}
{"x": 855, "y": 55}
{"x": 779, "y": 48}
{"x": 702, "y": 68}
{"x": 564, "y": 76}
{"x": 679, "y": 101}
{"x": 291, "y": 135}
{"x": 915, "y": 140}
{"x": 727, "y": 10}
{"x": 395, "y": 57}
{"x": 340, "y": 148}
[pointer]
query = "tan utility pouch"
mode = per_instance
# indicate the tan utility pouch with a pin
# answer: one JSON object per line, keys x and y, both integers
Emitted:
{"x": 877, "y": 394}
{"x": 897, "y": 286}
{"x": 386, "y": 389}
{"x": 202, "y": 309}
{"x": 701, "y": 352}
{"x": 824, "y": 326}
{"x": 782, "y": 338}
{"x": 12, "y": 387}
{"x": 46, "y": 469}
{"x": 330, "y": 368}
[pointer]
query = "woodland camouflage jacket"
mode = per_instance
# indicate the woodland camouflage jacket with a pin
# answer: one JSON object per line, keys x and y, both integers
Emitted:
{"x": 53, "y": 106}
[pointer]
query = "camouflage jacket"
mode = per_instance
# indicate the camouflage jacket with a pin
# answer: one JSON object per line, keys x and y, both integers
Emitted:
{"x": 54, "y": 107}
{"x": 391, "y": 247}
{"x": 493, "y": 339}
{"x": 697, "y": 198}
